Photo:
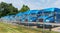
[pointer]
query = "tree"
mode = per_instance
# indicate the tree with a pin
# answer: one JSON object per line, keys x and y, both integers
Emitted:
{"x": 24, "y": 8}
{"x": 7, "y": 9}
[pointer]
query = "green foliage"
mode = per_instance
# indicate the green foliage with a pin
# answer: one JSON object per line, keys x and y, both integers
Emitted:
{"x": 24, "y": 8}
{"x": 7, "y": 9}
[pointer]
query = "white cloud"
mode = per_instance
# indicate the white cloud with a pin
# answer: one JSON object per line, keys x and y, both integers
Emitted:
{"x": 39, "y": 4}
{"x": 57, "y": 4}
{"x": 1, "y": 1}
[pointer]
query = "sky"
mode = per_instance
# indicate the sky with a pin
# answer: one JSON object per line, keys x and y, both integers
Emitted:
{"x": 34, "y": 4}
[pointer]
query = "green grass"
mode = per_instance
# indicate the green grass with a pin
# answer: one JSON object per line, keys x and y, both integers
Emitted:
{"x": 8, "y": 28}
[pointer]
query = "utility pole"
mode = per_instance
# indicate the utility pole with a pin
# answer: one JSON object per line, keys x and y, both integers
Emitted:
{"x": 43, "y": 23}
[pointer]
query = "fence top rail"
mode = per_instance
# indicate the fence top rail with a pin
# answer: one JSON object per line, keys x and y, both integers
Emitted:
{"x": 42, "y": 23}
